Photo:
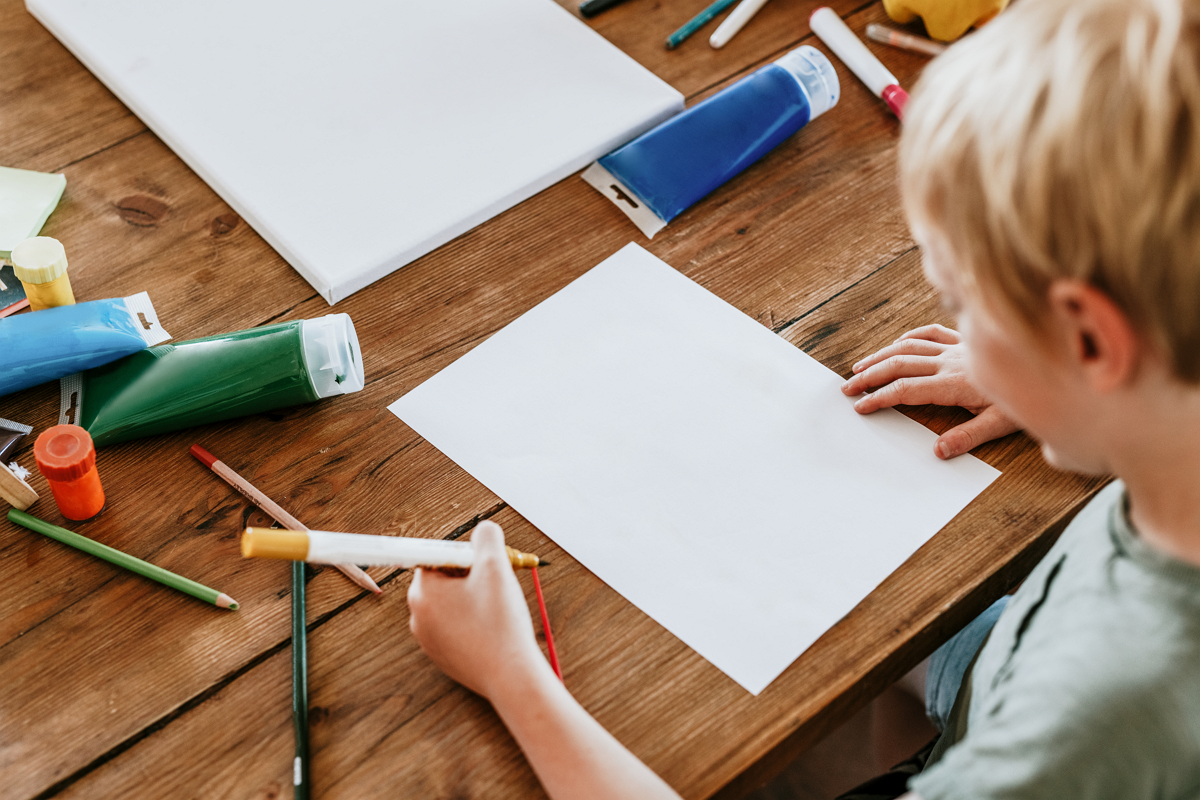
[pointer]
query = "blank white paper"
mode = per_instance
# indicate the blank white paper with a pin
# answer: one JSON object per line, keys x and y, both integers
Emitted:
{"x": 703, "y": 467}
{"x": 355, "y": 137}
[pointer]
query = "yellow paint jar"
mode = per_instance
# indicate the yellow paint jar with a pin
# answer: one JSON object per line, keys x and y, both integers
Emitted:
{"x": 40, "y": 265}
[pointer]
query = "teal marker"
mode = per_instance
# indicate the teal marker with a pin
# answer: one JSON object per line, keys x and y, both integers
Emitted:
{"x": 697, "y": 22}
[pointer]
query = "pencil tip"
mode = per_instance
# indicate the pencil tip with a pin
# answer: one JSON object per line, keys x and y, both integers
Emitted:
{"x": 543, "y": 562}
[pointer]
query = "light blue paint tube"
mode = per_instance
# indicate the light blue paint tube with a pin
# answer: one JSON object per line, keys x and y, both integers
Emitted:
{"x": 50, "y": 344}
{"x": 664, "y": 171}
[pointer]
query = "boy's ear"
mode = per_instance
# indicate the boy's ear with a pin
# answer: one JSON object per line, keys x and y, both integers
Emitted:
{"x": 1101, "y": 340}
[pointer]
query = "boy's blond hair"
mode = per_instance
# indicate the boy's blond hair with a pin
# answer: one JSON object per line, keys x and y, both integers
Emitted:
{"x": 1063, "y": 141}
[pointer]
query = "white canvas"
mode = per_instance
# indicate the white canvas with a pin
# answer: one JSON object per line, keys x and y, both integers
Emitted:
{"x": 356, "y": 137}
{"x": 702, "y": 466}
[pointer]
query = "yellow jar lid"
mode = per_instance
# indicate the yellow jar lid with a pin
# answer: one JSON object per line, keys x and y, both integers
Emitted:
{"x": 39, "y": 260}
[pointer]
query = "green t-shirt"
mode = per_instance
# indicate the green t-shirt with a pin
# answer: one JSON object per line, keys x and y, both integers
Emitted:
{"x": 1089, "y": 685}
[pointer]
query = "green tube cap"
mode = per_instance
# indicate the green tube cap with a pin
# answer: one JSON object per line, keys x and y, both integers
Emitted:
{"x": 332, "y": 355}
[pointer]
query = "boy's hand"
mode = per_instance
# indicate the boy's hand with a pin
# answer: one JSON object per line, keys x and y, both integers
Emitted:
{"x": 477, "y": 628}
{"x": 926, "y": 366}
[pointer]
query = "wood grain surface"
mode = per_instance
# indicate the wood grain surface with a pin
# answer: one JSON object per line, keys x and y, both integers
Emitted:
{"x": 113, "y": 686}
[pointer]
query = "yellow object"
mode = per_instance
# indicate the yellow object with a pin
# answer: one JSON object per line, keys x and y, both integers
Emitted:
{"x": 40, "y": 264}
{"x": 945, "y": 20}
{"x": 275, "y": 543}
{"x": 522, "y": 560}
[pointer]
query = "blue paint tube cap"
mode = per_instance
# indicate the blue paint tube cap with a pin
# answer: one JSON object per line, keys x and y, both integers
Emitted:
{"x": 816, "y": 76}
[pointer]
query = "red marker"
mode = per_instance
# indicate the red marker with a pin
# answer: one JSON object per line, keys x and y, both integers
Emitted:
{"x": 827, "y": 25}
{"x": 274, "y": 511}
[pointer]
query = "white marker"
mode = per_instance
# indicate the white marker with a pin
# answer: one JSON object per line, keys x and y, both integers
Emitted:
{"x": 826, "y": 24}
{"x": 323, "y": 547}
{"x": 735, "y": 22}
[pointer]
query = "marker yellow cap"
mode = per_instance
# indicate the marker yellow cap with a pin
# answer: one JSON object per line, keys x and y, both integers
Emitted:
{"x": 275, "y": 543}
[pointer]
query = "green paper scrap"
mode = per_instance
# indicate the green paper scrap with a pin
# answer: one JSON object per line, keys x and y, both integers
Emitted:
{"x": 26, "y": 200}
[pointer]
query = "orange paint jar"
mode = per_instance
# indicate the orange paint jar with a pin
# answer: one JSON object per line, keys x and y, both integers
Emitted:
{"x": 67, "y": 458}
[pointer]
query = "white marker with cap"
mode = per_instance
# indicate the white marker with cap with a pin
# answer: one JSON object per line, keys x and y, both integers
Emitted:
{"x": 827, "y": 25}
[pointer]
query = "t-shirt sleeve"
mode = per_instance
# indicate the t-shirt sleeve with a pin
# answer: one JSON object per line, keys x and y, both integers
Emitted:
{"x": 1098, "y": 743}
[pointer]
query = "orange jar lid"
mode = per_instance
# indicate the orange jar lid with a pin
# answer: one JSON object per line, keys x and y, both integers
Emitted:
{"x": 64, "y": 453}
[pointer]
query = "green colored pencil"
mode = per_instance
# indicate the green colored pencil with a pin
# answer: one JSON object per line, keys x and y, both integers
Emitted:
{"x": 300, "y": 775}
{"x": 113, "y": 556}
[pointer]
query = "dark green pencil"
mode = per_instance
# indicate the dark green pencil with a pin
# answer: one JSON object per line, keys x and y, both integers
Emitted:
{"x": 114, "y": 556}
{"x": 300, "y": 775}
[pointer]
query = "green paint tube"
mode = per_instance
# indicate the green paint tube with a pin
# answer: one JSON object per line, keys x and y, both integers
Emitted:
{"x": 175, "y": 386}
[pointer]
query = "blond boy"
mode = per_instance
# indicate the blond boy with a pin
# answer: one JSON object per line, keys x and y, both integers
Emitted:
{"x": 1050, "y": 167}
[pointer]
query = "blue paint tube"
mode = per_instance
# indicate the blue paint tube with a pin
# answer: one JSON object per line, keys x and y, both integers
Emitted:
{"x": 50, "y": 344}
{"x": 664, "y": 171}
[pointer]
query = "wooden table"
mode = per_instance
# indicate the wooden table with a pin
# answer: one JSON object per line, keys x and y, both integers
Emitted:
{"x": 116, "y": 687}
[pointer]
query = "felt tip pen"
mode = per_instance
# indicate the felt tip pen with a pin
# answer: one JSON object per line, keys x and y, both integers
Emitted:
{"x": 590, "y": 8}
{"x": 736, "y": 20}
{"x": 697, "y": 22}
{"x": 827, "y": 25}
{"x": 324, "y": 547}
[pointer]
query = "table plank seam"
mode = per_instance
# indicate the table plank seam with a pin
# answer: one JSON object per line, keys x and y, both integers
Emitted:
{"x": 782, "y": 329}
{"x": 103, "y": 149}
{"x": 289, "y": 310}
{"x": 115, "y": 573}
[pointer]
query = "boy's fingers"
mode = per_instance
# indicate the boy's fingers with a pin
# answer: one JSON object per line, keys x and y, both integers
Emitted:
{"x": 488, "y": 540}
{"x": 426, "y": 587}
{"x": 989, "y": 425}
{"x": 416, "y": 598}
{"x": 914, "y": 390}
{"x": 890, "y": 370}
{"x": 934, "y": 333}
{"x": 912, "y": 347}
{"x": 902, "y": 391}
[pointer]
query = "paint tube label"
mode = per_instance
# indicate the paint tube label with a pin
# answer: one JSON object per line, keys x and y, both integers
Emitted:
{"x": 145, "y": 319}
{"x": 15, "y": 427}
{"x": 638, "y": 212}
{"x": 70, "y": 399}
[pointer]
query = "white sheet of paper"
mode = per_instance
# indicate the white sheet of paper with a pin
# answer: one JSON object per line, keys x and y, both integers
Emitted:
{"x": 702, "y": 466}
{"x": 356, "y": 137}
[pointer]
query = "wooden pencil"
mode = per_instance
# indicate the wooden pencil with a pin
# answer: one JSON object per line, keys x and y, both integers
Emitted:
{"x": 273, "y": 510}
{"x": 114, "y": 556}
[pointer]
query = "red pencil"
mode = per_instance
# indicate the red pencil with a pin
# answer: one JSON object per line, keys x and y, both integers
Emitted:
{"x": 537, "y": 586}
{"x": 278, "y": 514}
